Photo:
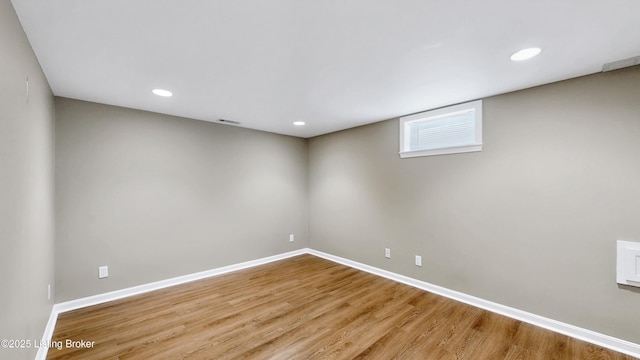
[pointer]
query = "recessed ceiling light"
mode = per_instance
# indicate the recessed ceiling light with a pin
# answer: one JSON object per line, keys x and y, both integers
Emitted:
{"x": 162, "y": 92}
{"x": 299, "y": 123}
{"x": 525, "y": 54}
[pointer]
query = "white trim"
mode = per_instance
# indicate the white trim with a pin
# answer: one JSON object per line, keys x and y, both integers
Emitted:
{"x": 141, "y": 289}
{"x": 441, "y": 151}
{"x": 593, "y": 337}
{"x": 48, "y": 334}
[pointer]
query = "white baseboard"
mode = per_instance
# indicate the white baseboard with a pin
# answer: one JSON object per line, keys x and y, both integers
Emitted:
{"x": 605, "y": 341}
{"x": 593, "y": 337}
{"x": 48, "y": 334}
{"x": 141, "y": 289}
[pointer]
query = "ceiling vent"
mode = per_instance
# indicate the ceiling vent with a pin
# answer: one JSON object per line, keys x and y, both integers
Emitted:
{"x": 230, "y": 122}
{"x": 620, "y": 64}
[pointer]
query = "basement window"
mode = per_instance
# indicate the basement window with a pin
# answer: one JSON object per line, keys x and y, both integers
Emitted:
{"x": 450, "y": 130}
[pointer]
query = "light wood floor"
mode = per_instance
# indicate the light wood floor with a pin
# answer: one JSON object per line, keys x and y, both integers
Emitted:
{"x": 305, "y": 308}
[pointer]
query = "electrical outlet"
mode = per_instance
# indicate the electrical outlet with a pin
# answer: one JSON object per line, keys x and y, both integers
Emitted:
{"x": 291, "y": 238}
{"x": 103, "y": 272}
{"x": 49, "y": 292}
{"x": 418, "y": 260}
{"x": 387, "y": 253}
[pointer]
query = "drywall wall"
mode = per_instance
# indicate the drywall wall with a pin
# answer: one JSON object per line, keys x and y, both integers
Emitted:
{"x": 26, "y": 190}
{"x": 530, "y": 222}
{"x": 155, "y": 196}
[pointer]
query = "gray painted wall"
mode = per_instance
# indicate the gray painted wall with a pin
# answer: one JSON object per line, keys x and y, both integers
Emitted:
{"x": 155, "y": 196}
{"x": 529, "y": 222}
{"x": 26, "y": 189}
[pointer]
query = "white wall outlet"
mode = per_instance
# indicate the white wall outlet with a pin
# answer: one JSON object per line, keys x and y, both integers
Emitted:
{"x": 292, "y": 238}
{"x": 103, "y": 272}
{"x": 49, "y": 292}
{"x": 387, "y": 253}
{"x": 418, "y": 260}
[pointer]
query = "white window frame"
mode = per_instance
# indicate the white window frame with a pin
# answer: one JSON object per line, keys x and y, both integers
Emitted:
{"x": 407, "y": 121}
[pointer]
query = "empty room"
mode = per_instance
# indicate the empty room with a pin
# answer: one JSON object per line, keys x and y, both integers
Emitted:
{"x": 319, "y": 179}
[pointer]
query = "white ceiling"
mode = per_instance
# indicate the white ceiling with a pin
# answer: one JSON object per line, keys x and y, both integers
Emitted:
{"x": 334, "y": 64}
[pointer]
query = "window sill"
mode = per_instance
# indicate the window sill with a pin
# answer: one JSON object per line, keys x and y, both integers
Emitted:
{"x": 441, "y": 151}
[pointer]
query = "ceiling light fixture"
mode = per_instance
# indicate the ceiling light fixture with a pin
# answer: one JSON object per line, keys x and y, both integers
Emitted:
{"x": 162, "y": 92}
{"x": 299, "y": 123}
{"x": 525, "y": 54}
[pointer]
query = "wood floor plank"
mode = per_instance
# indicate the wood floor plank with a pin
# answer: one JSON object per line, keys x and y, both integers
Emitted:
{"x": 305, "y": 308}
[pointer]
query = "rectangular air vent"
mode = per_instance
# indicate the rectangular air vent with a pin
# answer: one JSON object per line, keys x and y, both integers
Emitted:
{"x": 230, "y": 122}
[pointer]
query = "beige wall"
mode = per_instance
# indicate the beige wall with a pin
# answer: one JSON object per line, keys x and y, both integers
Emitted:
{"x": 26, "y": 189}
{"x": 529, "y": 222}
{"x": 155, "y": 196}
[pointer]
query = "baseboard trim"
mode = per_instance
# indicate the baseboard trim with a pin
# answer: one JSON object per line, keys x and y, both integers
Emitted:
{"x": 141, "y": 289}
{"x": 48, "y": 334}
{"x": 593, "y": 337}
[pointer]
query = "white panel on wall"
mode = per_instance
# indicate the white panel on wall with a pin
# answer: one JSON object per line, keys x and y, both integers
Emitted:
{"x": 628, "y": 263}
